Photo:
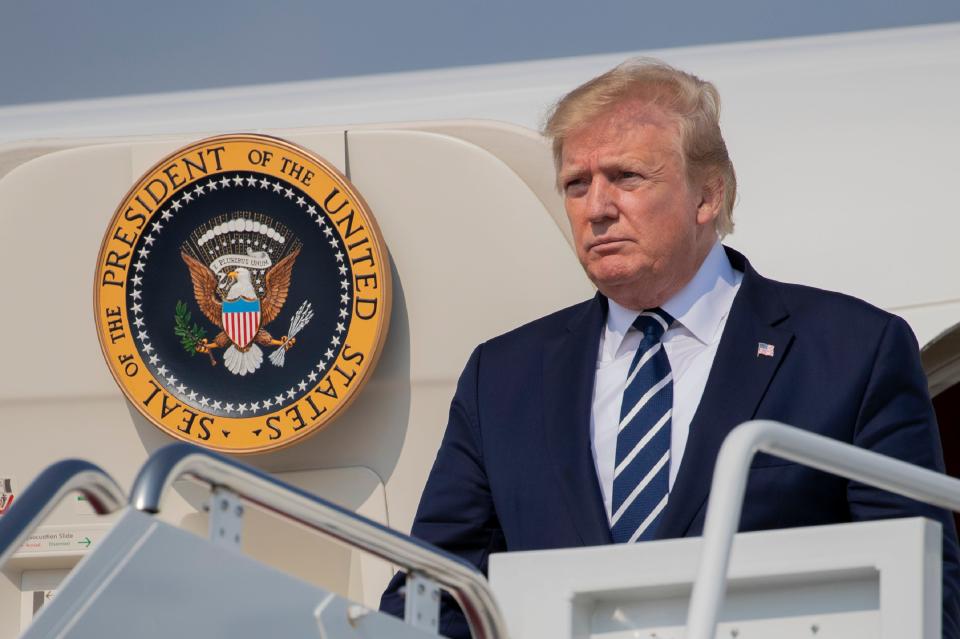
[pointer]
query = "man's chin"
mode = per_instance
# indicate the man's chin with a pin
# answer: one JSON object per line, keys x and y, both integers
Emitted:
{"x": 612, "y": 271}
{"x": 612, "y": 283}
{"x": 627, "y": 287}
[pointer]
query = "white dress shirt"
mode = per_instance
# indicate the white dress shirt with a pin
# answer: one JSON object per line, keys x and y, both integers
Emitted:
{"x": 700, "y": 311}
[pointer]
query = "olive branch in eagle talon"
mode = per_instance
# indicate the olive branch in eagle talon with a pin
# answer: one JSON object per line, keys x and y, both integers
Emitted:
{"x": 205, "y": 289}
{"x": 189, "y": 332}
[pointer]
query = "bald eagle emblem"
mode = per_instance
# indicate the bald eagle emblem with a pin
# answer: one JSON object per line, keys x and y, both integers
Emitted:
{"x": 240, "y": 289}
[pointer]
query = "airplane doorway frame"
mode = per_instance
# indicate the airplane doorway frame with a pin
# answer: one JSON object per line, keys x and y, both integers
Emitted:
{"x": 941, "y": 363}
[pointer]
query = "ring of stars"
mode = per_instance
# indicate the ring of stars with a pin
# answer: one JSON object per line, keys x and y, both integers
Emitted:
{"x": 136, "y": 293}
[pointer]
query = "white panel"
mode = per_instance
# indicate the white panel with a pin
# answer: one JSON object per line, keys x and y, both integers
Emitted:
{"x": 526, "y": 152}
{"x": 851, "y": 581}
{"x": 476, "y": 252}
{"x": 55, "y": 210}
{"x": 846, "y": 181}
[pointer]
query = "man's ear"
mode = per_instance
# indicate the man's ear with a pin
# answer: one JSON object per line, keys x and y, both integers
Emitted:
{"x": 711, "y": 198}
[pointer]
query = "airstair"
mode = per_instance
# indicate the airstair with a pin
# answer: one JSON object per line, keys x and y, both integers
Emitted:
{"x": 150, "y": 579}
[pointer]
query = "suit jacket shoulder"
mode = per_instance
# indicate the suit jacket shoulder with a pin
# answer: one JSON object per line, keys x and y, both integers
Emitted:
{"x": 825, "y": 309}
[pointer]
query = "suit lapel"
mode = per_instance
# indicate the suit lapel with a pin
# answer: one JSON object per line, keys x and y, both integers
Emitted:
{"x": 738, "y": 379}
{"x": 569, "y": 369}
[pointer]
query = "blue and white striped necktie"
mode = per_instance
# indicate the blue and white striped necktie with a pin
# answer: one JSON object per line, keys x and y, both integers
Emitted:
{"x": 642, "y": 472}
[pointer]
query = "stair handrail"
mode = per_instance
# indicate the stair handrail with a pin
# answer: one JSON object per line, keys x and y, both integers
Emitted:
{"x": 816, "y": 451}
{"x": 468, "y": 586}
{"x": 46, "y": 491}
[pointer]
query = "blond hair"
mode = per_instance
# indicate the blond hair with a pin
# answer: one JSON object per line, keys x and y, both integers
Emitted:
{"x": 694, "y": 102}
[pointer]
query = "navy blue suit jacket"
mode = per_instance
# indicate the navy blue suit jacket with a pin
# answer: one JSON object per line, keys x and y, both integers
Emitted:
{"x": 515, "y": 469}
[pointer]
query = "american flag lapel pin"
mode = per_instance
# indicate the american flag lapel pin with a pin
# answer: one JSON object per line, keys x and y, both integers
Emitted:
{"x": 764, "y": 349}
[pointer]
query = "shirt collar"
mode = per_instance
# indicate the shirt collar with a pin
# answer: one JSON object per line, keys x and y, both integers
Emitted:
{"x": 700, "y": 306}
{"x": 619, "y": 321}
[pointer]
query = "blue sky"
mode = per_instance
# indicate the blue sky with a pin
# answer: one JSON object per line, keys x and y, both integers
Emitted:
{"x": 69, "y": 50}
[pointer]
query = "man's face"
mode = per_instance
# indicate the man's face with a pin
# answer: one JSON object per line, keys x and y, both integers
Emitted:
{"x": 641, "y": 229}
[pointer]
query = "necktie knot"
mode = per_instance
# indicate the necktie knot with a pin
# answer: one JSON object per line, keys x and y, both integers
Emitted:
{"x": 653, "y": 323}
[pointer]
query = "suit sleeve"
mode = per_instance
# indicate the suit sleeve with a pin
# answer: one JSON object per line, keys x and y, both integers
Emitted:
{"x": 896, "y": 418}
{"x": 456, "y": 510}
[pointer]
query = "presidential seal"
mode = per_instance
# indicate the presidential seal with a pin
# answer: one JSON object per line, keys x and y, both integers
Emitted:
{"x": 242, "y": 293}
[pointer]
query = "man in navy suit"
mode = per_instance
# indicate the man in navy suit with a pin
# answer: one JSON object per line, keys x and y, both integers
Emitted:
{"x": 602, "y": 422}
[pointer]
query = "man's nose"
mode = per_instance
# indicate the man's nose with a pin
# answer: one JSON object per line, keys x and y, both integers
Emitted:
{"x": 601, "y": 205}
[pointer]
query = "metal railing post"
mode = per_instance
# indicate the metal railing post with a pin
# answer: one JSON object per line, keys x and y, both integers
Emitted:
{"x": 829, "y": 455}
{"x": 465, "y": 583}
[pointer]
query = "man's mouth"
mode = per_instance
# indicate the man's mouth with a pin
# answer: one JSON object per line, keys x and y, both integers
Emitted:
{"x": 607, "y": 242}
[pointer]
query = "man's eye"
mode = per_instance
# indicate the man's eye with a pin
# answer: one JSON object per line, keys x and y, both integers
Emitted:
{"x": 630, "y": 175}
{"x": 575, "y": 186}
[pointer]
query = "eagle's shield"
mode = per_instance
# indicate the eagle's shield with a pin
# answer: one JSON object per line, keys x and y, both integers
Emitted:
{"x": 241, "y": 320}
